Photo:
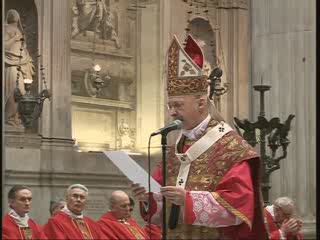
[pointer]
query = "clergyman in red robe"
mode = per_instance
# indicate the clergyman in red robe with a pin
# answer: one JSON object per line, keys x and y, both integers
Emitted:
{"x": 213, "y": 175}
{"x": 69, "y": 223}
{"x": 17, "y": 224}
{"x": 281, "y": 223}
{"x": 117, "y": 223}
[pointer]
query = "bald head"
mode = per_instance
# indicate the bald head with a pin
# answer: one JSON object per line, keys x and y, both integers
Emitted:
{"x": 117, "y": 196}
{"x": 120, "y": 204}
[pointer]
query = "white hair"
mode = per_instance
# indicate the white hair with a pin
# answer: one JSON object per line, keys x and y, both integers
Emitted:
{"x": 80, "y": 186}
{"x": 284, "y": 202}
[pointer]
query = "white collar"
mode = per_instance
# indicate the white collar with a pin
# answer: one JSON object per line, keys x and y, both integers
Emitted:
{"x": 20, "y": 221}
{"x": 270, "y": 209}
{"x": 71, "y": 214}
{"x": 197, "y": 131}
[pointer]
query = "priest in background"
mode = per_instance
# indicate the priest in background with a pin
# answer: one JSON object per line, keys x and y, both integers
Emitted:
{"x": 69, "y": 223}
{"x": 117, "y": 223}
{"x": 281, "y": 222}
{"x": 17, "y": 224}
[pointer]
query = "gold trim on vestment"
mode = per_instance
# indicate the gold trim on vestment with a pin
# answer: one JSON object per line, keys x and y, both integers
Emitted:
{"x": 84, "y": 228}
{"x": 135, "y": 231}
{"x": 236, "y": 212}
{"x": 25, "y": 233}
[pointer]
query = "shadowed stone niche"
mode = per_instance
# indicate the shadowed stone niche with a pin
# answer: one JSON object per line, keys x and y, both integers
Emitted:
{"x": 103, "y": 33}
{"x": 21, "y": 25}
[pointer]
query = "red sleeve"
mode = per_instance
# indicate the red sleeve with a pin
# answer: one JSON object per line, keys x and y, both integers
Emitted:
{"x": 53, "y": 230}
{"x": 189, "y": 216}
{"x": 152, "y": 209}
{"x": 235, "y": 192}
{"x": 274, "y": 235}
{"x": 106, "y": 230}
{"x": 157, "y": 174}
{"x": 9, "y": 233}
{"x": 38, "y": 230}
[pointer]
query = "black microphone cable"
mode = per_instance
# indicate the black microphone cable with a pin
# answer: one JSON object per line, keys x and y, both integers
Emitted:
{"x": 149, "y": 185}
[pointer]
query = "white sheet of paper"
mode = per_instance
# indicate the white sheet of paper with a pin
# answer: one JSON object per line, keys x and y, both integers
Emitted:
{"x": 132, "y": 170}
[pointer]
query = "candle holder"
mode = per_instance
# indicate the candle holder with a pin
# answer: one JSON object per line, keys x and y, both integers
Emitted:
{"x": 272, "y": 132}
{"x": 29, "y": 106}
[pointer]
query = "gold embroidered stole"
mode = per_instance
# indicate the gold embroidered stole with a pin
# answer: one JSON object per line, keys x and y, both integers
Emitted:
{"x": 83, "y": 227}
{"x": 205, "y": 174}
{"x": 25, "y": 233}
{"x": 137, "y": 234}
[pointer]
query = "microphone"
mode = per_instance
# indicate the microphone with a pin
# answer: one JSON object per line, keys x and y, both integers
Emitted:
{"x": 176, "y": 124}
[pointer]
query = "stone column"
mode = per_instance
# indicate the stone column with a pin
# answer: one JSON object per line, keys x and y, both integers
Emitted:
{"x": 55, "y": 46}
{"x": 149, "y": 83}
{"x": 55, "y": 122}
{"x": 283, "y": 53}
{"x": 233, "y": 52}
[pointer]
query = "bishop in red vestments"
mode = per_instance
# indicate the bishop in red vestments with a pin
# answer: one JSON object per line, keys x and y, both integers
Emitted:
{"x": 17, "y": 224}
{"x": 213, "y": 174}
{"x": 117, "y": 223}
{"x": 69, "y": 223}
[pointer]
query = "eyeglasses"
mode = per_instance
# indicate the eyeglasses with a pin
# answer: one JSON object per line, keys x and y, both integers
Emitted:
{"x": 175, "y": 106}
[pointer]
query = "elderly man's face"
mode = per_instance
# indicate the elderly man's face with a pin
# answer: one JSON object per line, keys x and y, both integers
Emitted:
{"x": 76, "y": 200}
{"x": 121, "y": 208}
{"x": 186, "y": 109}
{"x": 21, "y": 204}
{"x": 281, "y": 214}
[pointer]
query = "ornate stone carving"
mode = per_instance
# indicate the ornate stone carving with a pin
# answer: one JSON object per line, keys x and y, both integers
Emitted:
{"x": 95, "y": 16}
{"x": 126, "y": 136}
{"x": 233, "y": 4}
{"x": 18, "y": 66}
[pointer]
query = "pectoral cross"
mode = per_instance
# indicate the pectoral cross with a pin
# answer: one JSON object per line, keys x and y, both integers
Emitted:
{"x": 221, "y": 129}
{"x": 181, "y": 181}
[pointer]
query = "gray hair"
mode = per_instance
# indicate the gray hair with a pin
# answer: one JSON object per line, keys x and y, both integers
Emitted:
{"x": 80, "y": 186}
{"x": 284, "y": 202}
{"x": 55, "y": 203}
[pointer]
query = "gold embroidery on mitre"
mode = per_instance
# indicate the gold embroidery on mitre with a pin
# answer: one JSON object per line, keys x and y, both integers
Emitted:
{"x": 236, "y": 212}
{"x": 184, "y": 76}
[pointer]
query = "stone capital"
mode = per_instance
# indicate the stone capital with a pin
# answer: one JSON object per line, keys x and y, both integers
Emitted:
{"x": 243, "y": 4}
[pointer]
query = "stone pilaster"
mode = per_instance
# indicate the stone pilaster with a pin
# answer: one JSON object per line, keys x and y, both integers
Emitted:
{"x": 283, "y": 54}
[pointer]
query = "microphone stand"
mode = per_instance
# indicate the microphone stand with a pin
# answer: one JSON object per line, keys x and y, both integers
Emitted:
{"x": 164, "y": 177}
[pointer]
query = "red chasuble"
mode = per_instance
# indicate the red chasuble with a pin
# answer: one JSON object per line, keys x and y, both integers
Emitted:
{"x": 113, "y": 228}
{"x": 154, "y": 231}
{"x": 10, "y": 230}
{"x": 62, "y": 226}
{"x": 230, "y": 171}
{"x": 273, "y": 229}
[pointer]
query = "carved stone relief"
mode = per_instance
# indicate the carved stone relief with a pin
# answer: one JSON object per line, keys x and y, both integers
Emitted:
{"x": 103, "y": 33}
{"x": 95, "y": 17}
{"x": 126, "y": 135}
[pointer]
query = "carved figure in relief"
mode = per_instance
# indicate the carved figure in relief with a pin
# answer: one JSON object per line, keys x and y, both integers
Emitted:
{"x": 14, "y": 38}
{"x": 92, "y": 15}
{"x": 126, "y": 136}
